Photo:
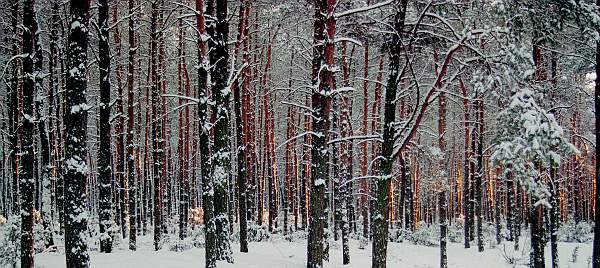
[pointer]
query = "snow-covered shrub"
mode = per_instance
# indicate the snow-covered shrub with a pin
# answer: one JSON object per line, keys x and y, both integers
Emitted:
{"x": 297, "y": 235}
{"x": 455, "y": 231}
{"x": 10, "y": 234}
{"x": 426, "y": 235}
{"x": 258, "y": 233}
{"x": 194, "y": 238}
{"x": 575, "y": 233}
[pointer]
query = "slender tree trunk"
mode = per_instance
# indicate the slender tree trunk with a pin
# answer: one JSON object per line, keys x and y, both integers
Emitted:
{"x": 381, "y": 214}
{"x": 157, "y": 137}
{"x": 76, "y": 166}
{"x": 479, "y": 175}
{"x": 104, "y": 168}
{"x": 596, "y": 250}
{"x": 205, "y": 166}
{"x": 364, "y": 198}
{"x": 27, "y": 178}
{"x": 466, "y": 173}
{"x": 14, "y": 108}
{"x": 119, "y": 160}
{"x": 131, "y": 174}
{"x": 240, "y": 131}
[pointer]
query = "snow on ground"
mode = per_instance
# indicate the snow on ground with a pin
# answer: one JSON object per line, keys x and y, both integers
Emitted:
{"x": 281, "y": 253}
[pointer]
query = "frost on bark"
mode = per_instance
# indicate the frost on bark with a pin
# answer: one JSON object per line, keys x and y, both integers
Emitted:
{"x": 323, "y": 83}
{"x": 76, "y": 166}
{"x": 104, "y": 167}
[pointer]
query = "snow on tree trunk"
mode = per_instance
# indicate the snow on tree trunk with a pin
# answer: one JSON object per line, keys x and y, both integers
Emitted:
{"x": 157, "y": 137}
{"x": 104, "y": 168}
{"x": 219, "y": 60}
{"x": 205, "y": 161}
{"x": 26, "y": 169}
{"x": 381, "y": 209}
{"x": 322, "y": 85}
{"x": 76, "y": 166}
{"x": 131, "y": 174}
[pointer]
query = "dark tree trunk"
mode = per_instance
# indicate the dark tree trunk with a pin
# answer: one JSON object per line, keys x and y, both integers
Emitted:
{"x": 345, "y": 175}
{"x": 157, "y": 137}
{"x": 131, "y": 174}
{"x": 479, "y": 174}
{"x": 323, "y": 83}
{"x": 219, "y": 60}
{"x": 104, "y": 167}
{"x": 26, "y": 177}
{"x": 381, "y": 213}
{"x": 466, "y": 188}
{"x": 554, "y": 217}
{"x": 205, "y": 167}
{"x": 76, "y": 166}
{"x": 596, "y": 251}
{"x": 240, "y": 131}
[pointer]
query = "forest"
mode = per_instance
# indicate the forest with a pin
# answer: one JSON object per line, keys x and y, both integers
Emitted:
{"x": 299, "y": 133}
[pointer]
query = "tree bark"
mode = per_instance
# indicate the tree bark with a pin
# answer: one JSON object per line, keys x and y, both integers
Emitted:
{"x": 323, "y": 83}
{"x": 381, "y": 213}
{"x": 240, "y": 129}
{"x": 219, "y": 56}
{"x": 131, "y": 174}
{"x": 157, "y": 137}
{"x": 76, "y": 166}
{"x": 104, "y": 168}
{"x": 596, "y": 250}
{"x": 26, "y": 170}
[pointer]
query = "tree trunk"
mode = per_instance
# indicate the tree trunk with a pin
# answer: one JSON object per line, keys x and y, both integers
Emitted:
{"x": 26, "y": 169}
{"x": 596, "y": 251}
{"x": 131, "y": 174}
{"x": 466, "y": 173}
{"x": 157, "y": 142}
{"x": 219, "y": 55}
{"x": 480, "y": 172}
{"x": 104, "y": 169}
{"x": 380, "y": 218}
{"x": 240, "y": 131}
{"x": 205, "y": 166}
{"x": 76, "y": 166}
{"x": 323, "y": 83}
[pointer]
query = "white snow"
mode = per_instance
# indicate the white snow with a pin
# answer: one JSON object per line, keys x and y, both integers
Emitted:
{"x": 281, "y": 253}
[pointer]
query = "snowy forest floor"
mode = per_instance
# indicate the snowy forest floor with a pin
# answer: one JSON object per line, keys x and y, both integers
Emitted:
{"x": 279, "y": 252}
